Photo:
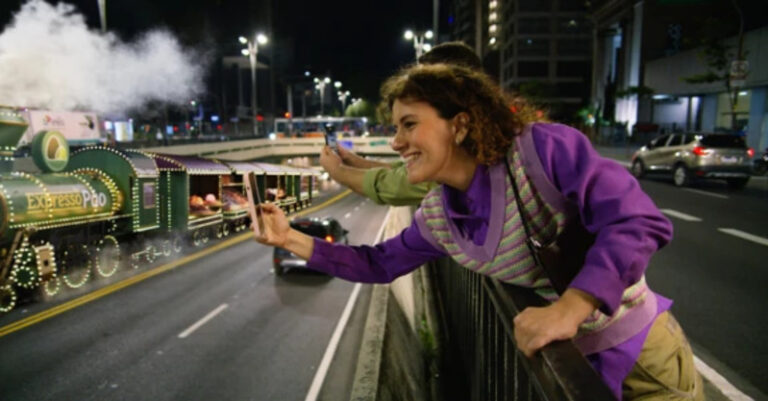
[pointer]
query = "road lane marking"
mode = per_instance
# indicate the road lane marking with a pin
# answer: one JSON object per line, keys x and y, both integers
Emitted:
{"x": 743, "y": 235}
{"x": 357, "y": 208}
{"x": 191, "y": 329}
{"x": 346, "y": 216}
{"x": 680, "y": 215}
{"x": 325, "y": 363}
{"x": 104, "y": 291}
{"x": 698, "y": 191}
{"x": 722, "y": 384}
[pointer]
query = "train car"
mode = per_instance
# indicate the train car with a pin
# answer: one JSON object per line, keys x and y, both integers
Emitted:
{"x": 276, "y": 186}
{"x": 137, "y": 178}
{"x": 234, "y": 197}
{"x": 305, "y": 185}
{"x": 193, "y": 189}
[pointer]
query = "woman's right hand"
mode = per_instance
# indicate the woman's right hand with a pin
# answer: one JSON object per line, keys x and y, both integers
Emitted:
{"x": 276, "y": 227}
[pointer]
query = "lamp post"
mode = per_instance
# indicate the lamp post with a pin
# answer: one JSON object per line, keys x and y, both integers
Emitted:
{"x": 343, "y": 97}
{"x": 252, "y": 51}
{"x": 103, "y": 14}
{"x": 320, "y": 85}
{"x": 418, "y": 41}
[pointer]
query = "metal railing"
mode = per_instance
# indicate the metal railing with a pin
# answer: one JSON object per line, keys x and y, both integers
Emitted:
{"x": 479, "y": 358}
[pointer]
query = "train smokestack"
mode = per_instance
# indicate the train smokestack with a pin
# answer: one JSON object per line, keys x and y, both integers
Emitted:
{"x": 12, "y": 127}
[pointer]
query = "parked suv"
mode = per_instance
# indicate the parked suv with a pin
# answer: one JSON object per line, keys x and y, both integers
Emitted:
{"x": 327, "y": 228}
{"x": 693, "y": 156}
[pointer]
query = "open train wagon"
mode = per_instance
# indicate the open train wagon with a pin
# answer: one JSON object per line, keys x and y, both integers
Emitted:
{"x": 276, "y": 186}
{"x": 233, "y": 193}
{"x": 192, "y": 187}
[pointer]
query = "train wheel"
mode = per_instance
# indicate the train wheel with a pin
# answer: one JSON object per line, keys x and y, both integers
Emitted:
{"x": 107, "y": 256}
{"x": 166, "y": 248}
{"x": 51, "y": 287}
{"x": 151, "y": 253}
{"x": 177, "y": 244}
{"x": 225, "y": 230}
{"x": 24, "y": 271}
{"x": 76, "y": 265}
{"x": 197, "y": 238}
{"x": 7, "y": 298}
{"x": 220, "y": 231}
{"x": 206, "y": 236}
{"x": 136, "y": 260}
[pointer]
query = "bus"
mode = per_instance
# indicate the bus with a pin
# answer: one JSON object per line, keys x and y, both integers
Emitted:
{"x": 314, "y": 126}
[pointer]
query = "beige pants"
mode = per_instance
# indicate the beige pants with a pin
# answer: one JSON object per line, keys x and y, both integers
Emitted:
{"x": 664, "y": 370}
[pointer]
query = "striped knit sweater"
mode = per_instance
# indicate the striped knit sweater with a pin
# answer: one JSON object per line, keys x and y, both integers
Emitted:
{"x": 512, "y": 262}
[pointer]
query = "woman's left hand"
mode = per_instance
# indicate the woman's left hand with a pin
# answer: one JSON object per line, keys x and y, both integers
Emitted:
{"x": 537, "y": 327}
{"x": 330, "y": 160}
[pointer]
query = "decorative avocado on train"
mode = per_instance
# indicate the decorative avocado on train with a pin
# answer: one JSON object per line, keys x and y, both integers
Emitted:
{"x": 89, "y": 213}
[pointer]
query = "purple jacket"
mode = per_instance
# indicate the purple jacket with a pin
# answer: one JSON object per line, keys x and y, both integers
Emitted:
{"x": 628, "y": 227}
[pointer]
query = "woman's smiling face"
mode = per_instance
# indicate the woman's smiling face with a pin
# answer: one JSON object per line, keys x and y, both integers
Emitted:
{"x": 424, "y": 140}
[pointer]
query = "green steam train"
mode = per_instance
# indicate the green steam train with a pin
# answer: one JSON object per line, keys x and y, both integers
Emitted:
{"x": 86, "y": 214}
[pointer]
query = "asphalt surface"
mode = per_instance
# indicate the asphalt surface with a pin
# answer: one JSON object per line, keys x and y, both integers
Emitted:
{"x": 716, "y": 279}
{"x": 263, "y": 340}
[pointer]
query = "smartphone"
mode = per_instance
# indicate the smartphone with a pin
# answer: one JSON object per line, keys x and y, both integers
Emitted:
{"x": 330, "y": 138}
{"x": 254, "y": 204}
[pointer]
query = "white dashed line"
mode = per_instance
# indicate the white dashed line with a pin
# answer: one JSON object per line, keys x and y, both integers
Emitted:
{"x": 700, "y": 192}
{"x": 680, "y": 215}
{"x": 346, "y": 216}
{"x": 743, "y": 235}
{"x": 357, "y": 208}
{"x": 203, "y": 321}
{"x": 720, "y": 382}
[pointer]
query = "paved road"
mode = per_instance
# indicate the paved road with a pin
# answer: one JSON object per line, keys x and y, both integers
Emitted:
{"x": 263, "y": 341}
{"x": 714, "y": 269}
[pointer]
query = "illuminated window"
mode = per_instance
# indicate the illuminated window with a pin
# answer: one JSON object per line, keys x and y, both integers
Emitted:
{"x": 149, "y": 195}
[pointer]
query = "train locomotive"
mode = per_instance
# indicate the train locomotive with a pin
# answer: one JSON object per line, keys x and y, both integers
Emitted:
{"x": 90, "y": 213}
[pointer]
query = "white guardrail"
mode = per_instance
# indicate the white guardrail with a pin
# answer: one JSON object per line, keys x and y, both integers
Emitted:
{"x": 251, "y": 149}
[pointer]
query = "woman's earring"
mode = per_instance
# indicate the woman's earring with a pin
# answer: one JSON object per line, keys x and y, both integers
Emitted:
{"x": 458, "y": 140}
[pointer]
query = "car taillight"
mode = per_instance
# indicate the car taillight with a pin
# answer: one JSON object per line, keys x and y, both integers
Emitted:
{"x": 751, "y": 152}
{"x": 276, "y": 260}
{"x": 700, "y": 151}
{"x": 329, "y": 238}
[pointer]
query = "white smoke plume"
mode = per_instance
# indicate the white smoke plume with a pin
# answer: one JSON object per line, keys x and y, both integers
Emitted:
{"x": 50, "y": 59}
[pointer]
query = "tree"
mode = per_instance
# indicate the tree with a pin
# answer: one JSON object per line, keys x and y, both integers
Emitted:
{"x": 362, "y": 108}
{"x": 718, "y": 56}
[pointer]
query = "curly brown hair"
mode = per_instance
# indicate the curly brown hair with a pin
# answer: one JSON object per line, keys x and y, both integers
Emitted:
{"x": 494, "y": 117}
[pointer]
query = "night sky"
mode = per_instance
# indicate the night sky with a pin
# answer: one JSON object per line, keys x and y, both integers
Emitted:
{"x": 357, "y": 42}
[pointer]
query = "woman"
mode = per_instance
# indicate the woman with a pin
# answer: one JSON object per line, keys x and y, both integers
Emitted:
{"x": 454, "y": 127}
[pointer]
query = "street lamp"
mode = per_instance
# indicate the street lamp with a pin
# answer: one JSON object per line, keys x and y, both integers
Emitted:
{"x": 418, "y": 41}
{"x": 252, "y": 51}
{"x": 343, "y": 97}
{"x": 320, "y": 85}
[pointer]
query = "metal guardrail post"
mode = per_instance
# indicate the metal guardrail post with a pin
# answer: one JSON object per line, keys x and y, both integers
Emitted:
{"x": 478, "y": 314}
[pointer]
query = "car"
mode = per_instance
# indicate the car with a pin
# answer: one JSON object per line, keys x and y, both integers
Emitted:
{"x": 326, "y": 228}
{"x": 693, "y": 156}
